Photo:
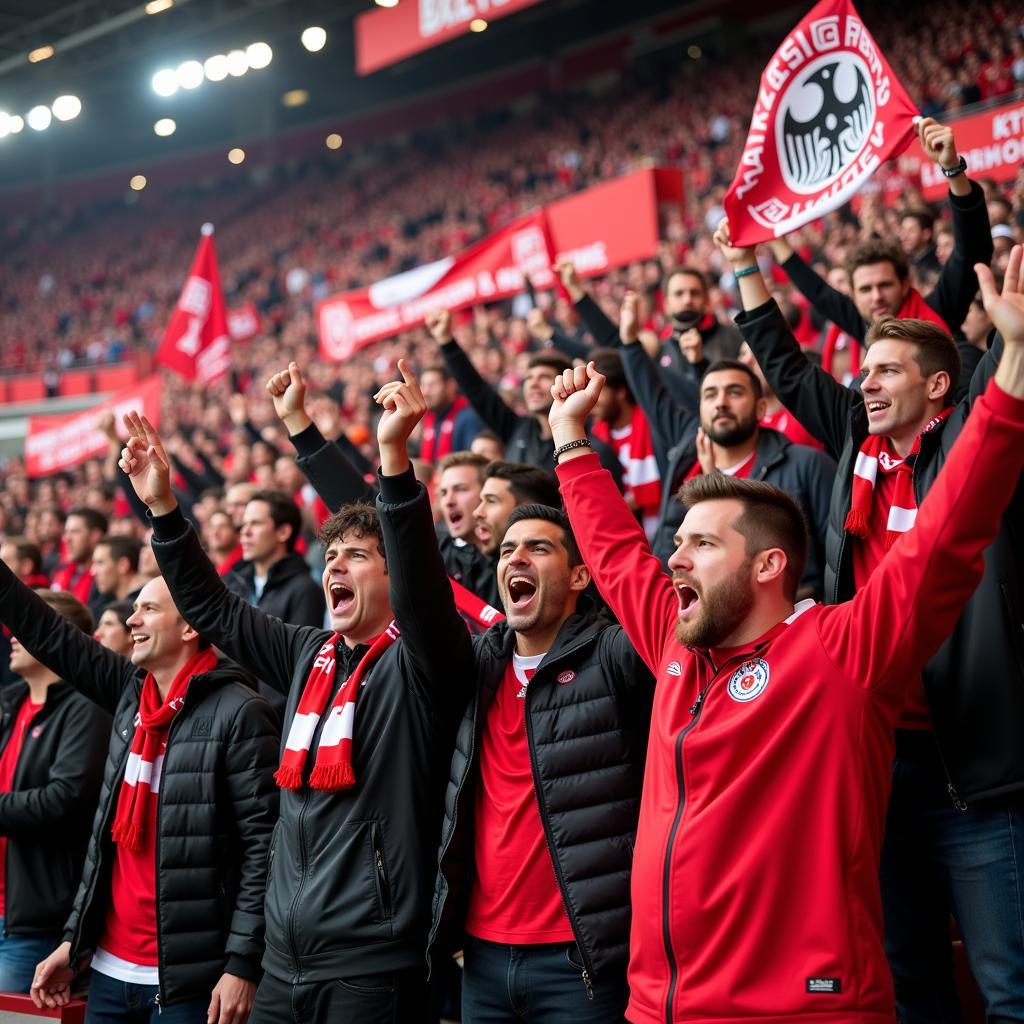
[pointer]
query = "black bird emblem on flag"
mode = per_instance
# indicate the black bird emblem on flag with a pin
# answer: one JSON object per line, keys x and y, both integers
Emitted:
{"x": 816, "y": 150}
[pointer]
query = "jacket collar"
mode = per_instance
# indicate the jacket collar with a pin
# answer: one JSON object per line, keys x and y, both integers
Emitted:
{"x": 720, "y": 655}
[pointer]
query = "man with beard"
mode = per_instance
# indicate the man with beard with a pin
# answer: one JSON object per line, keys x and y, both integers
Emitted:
{"x": 450, "y": 424}
{"x": 725, "y": 437}
{"x": 533, "y": 879}
{"x": 756, "y": 865}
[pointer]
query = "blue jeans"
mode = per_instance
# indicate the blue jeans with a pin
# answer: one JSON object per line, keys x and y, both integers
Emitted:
{"x": 938, "y": 861}
{"x": 120, "y": 1002}
{"x": 19, "y": 955}
{"x": 540, "y": 984}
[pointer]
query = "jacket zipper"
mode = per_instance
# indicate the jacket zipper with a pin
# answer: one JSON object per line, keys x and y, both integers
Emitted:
{"x": 383, "y": 884}
{"x": 588, "y": 967}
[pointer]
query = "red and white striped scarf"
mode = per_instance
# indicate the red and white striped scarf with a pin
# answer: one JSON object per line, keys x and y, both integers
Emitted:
{"x": 478, "y": 615}
{"x": 333, "y": 768}
{"x": 640, "y": 474}
{"x": 437, "y": 435}
{"x": 145, "y": 759}
{"x": 877, "y": 453}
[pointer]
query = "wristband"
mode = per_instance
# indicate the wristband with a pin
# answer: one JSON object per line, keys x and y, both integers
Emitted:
{"x": 952, "y": 172}
{"x": 746, "y": 271}
{"x": 568, "y": 447}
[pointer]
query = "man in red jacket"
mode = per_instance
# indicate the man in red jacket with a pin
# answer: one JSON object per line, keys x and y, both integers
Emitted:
{"x": 755, "y": 874}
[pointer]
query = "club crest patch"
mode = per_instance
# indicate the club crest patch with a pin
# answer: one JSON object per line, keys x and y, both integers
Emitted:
{"x": 565, "y": 677}
{"x": 749, "y": 680}
{"x": 674, "y": 669}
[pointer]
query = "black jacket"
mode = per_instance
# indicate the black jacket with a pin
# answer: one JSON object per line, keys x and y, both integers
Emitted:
{"x": 975, "y": 684}
{"x": 351, "y": 872}
{"x": 47, "y": 814}
{"x": 803, "y": 473}
{"x": 217, "y": 804}
{"x": 521, "y": 435}
{"x": 953, "y": 293}
{"x": 290, "y": 592}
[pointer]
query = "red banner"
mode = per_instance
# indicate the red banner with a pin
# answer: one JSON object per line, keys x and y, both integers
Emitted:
{"x": 600, "y": 228}
{"x": 196, "y": 343}
{"x": 56, "y": 443}
{"x": 387, "y": 35}
{"x": 992, "y": 142}
{"x": 829, "y": 112}
{"x": 245, "y": 322}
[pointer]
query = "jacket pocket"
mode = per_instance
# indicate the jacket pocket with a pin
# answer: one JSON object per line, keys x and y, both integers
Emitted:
{"x": 380, "y": 873}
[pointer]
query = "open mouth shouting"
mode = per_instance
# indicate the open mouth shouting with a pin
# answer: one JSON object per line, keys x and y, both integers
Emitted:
{"x": 522, "y": 589}
{"x": 342, "y": 597}
{"x": 689, "y": 599}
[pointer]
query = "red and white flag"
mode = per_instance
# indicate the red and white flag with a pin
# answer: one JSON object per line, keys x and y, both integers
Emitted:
{"x": 829, "y": 112}
{"x": 196, "y": 343}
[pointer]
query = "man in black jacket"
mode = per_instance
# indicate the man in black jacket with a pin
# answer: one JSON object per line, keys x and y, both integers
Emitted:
{"x": 348, "y": 892}
{"x": 51, "y": 761}
{"x": 544, "y": 790}
{"x": 955, "y": 821}
{"x": 169, "y": 912}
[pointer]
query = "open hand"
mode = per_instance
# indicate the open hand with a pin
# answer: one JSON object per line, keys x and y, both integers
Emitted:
{"x": 147, "y": 465}
{"x": 1006, "y": 309}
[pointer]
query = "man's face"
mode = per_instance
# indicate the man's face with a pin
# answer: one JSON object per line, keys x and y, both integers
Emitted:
{"x": 913, "y": 237}
{"x": 1002, "y": 247}
{"x": 537, "y": 388}
{"x": 489, "y": 447}
{"x": 711, "y": 572}
{"x": 685, "y": 293}
{"x": 50, "y": 528}
{"x": 729, "y": 410}
{"x": 221, "y": 533}
{"x": 491, "y": 515}
{"x": 9, "y": 556}
{"x": 436, "y": 390}
{"x": 877, "y": 291}
{"x": 355, "y": 584}
{"x": 458, "y": 494}
{"x": 21, "y": 661}
{"x": 159, "y": 633}
{"x": 287, "y": 475}
{"x": 262, "y": 541}
{"x": 79, "y": 539}
{"x": 976, "y": 326}
{"x": 235, "y": 500}
{"x": 534, "y": 579}
{"x": 104, "y": 569}
{"x": 895, "y": 391}
{"x": 943, "y": 246}
{"x": 110, "y": 633}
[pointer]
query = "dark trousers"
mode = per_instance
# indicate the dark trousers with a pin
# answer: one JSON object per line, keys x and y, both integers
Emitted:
{"x": 938, "y": 861}
{"x": 540, "y": 984}
{"x": 393, "y": 998}
{"x": 120, "y": 1002}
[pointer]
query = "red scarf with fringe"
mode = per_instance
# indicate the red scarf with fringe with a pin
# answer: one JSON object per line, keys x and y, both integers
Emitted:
{"x": 146, "y": 760}
{"x": 437, "y": 434}
{"x": 333, "y": 768}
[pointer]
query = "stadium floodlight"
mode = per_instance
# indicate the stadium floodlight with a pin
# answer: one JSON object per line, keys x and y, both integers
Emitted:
{"x": 137, "y": 183}
{"x": 39, "y": 118}
{"x": 190, "y": 74}
{"x": 314, "y": 38}
{"x": 165, "y": 126}
{"x": 165, "y": 82}
{"x": 387, "y": 3}
{"x": 238, "y": 63}
{"x": 40, "y": 53}
{"x": 159, "y": 6}
{"x": 295, "y": 98}
{"x": 236, "y": 156}
{"x": 5, "y": 124}
{"x": 478, "y": 25}
{"x": 16, "y": 124}
{"x": 216, "y": 67}
{"x": 333, "y": 141}
{"x": 259, "y": 55}
{"x": 66, "y": 108}
{"x": 695, "y": 52}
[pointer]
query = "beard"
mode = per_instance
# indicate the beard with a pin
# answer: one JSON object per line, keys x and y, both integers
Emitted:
{"x": 727, "y": 436}
{"x": 723, "y": 608}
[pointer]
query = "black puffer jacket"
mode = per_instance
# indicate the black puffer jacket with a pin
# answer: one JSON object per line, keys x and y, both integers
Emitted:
{"x": 351, "y": 872}
{"x": 47, "y": 815}
{"x": 290, "y": 593}
{"x": 975, "y": 684}
{"x": 217, "y": 804}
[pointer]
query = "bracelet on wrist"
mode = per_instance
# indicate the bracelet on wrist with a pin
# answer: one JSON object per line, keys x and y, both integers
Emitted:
{"x": 568, "y": 447}
{"x": 745, "y": 271}
{"x": 958, "y": 169}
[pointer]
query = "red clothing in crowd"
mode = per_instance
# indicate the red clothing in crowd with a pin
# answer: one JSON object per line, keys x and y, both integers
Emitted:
{"x": 515, "y": 897}
{"x": 755, "y": 875}
{"x": 76, "y": 579}
{"x": 8, "y": 766}
{"x": 786, "y": 423}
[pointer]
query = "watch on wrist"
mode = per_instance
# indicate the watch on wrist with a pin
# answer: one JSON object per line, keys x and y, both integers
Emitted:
{"x": 952, "y": 172}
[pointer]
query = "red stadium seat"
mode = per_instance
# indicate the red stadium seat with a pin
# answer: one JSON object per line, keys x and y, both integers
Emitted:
{"x": 114, "y": 378}
{"x": 77, "y": 382}
{"x": 26, "y": 389}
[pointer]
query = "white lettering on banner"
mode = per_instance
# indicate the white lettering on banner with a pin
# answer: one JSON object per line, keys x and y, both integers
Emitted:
{"x": 1007, "y": 123}
{"x": 196, "y": 297}
{"x": 438, "y": 15}
{"x": 588, "y": 257}
{"x": 190, "y": 342}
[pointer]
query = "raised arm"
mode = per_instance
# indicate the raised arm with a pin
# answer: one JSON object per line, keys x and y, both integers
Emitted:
{"x": 489, "y": 405}
{"x": 98, "y": 673}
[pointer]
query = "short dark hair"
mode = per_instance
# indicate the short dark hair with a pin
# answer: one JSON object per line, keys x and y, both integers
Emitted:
{"x": 925, "y": 218}
{"x": 221, "y": 511}
{"x": 528, "y": 484}
{"x": 437, "y": 368}
{"x": 93, "y": 518}
{"x": 770, "y": 518}
{"x": 358, "y": 517}
{"x": 734, "y": 364}
{"x": 122, "y": 547}
{"x": 608, "y": 361}
{"x": 550, "y": 515}
{"x": 461, "y": 458}
{"x": 69, "y": 606}
{"x": 283, "y": 512}
{"x": 551, "y": 358}
{"x": 122, "y": 609}
{"x": 934, "y": 349}
{"x": 687, "y": 271}
{"x": 24, "y": 548}
{"x": 874, "y": 250}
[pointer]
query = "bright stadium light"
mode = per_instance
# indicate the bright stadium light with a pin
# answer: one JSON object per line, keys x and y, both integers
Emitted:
{"x": 387, "y": 3}
{"x": 189, "y": 74}
{"x": 478, "y": 25}
{"x": 314, "y": 38}
{"x": 259, "y": 55}
{"x": 216, "y": 67}
{"x": 165, "y": 82}
{"x": 5, "y": 124}
{"x": 295, "y": 98}
{"x": 333, "y": 141}
{"x": 165, "y": 126}
{"x": 236, "y": 156}
{"x": 238, "y": 63}
{"x": 66, "y": 108}
{"x": 159, "y": 6}
{"x": 39, "y": 118}
{"x": 16, "y": 124}
{"x": 137, "y": 183}
{"x": 42, "y": 53}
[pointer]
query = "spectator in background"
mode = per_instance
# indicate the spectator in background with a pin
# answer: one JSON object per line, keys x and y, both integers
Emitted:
{"x": 83, "y": 529}
{"x": 115, "y": 569}
{"x": 917, "y": 228}
{"x": 222, "y": 540}
{"x": 25, "y": 560}
{"x": 450, "y": 424}
{"x": 112, "y": 630}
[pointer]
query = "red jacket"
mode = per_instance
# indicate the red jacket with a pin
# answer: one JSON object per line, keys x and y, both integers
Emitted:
{"x": 755, "y": 874}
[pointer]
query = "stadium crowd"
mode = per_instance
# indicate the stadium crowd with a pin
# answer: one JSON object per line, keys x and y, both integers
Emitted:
{"x": 350, "y": 670}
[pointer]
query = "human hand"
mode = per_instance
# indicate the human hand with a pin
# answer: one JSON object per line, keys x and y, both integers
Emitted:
{"x": 147, "y": 465}
{"x": 404, "y": 406}
{"x": 705, "y": 452}
{"x": 287, "y": 389}
{"x": 629, "y": 318}
{"x": 738, "y": 256}
{"x": 574, "y": 395}
{"x": 691, "y": 344}
{"x": 439, "y": 323}
{"x": 937, "y": 142}
{"x": 231, "y": 1000}
{"x": 51, "y": 984}
{"x": 566, "y": 271}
